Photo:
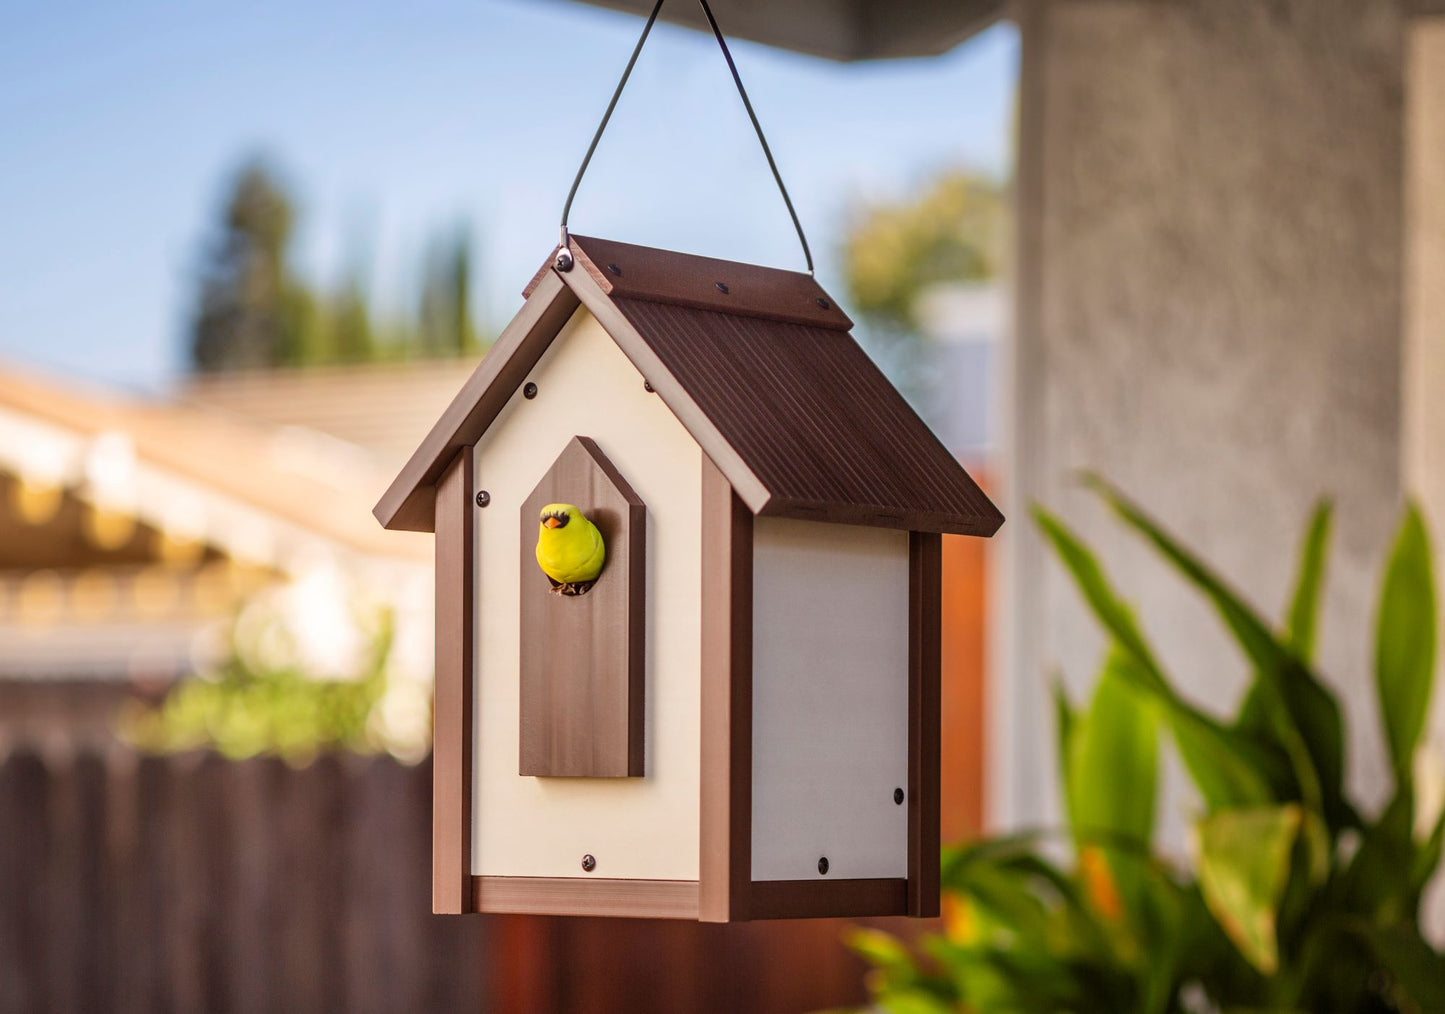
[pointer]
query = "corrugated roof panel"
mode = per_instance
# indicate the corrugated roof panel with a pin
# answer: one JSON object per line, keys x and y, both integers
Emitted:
{"x": 816, "y": 421}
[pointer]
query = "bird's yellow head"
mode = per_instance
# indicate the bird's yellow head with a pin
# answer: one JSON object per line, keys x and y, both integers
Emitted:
{"x": 559, "y": 515}
{"x": 570, "y": 549}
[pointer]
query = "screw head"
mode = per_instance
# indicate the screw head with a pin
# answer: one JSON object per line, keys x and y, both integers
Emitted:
{"x": 823, "y": 866}
{"x": 898, "y": 796}
{"x": 483, "y": 498}
{"x": 615, "y": 269}
{"x": 563, "y": 261}
{"x": 722, "y": 287}
{"x": 647, "y": 386}
{"x": 823, "y": 303}
{"x": 588, "y": 863}
{"x": 529, "y": 391}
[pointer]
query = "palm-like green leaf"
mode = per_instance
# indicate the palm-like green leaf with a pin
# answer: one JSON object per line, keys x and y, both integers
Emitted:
{"x": 1302, "y": 715}
{"x": 1309, "y": 584}
{"x": 1113, "y": 758}
{"x": 1229, "y": 768}
{"x": 1405, "y": 642}
{"x": 1244, "y": 865}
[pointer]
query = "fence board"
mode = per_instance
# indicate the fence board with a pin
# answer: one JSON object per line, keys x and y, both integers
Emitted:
{"x": 196, "y": 884}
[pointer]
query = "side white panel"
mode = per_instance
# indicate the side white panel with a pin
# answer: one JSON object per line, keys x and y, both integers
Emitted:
{"x": 642, "y": 828}
{"x": 830, "y": 700}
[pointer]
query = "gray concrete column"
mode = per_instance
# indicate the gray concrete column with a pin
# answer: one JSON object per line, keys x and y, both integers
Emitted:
{"x": 1210, "y": 314}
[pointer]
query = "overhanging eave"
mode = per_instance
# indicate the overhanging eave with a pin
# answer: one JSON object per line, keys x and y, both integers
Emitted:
{"x": 837, "y": 29}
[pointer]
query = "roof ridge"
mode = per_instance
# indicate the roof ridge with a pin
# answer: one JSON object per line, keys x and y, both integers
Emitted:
{"x": 627, "y": 271}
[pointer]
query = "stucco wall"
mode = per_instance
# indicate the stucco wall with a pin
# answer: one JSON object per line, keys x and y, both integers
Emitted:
{"x": 1210, "y": 314}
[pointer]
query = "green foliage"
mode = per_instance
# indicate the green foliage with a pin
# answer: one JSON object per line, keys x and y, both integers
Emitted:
{"x": 249, "y": 706}
{"x": 1293, "y": 903}
{"x": 253, "y": 311}
{"x": 894, "y": 251}
{"x": 1405, "y": 642}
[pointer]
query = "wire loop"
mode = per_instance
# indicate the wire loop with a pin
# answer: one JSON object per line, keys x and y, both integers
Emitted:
{"x": 564, "y": 255}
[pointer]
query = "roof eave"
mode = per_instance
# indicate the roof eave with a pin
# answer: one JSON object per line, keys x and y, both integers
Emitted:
{"x": 409, "y": 502}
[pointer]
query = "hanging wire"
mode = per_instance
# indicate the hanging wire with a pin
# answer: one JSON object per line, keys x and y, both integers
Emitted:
{"x": 564, "y": 255}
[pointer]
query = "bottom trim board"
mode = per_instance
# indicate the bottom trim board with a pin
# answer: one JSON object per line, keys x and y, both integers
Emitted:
{"x": 827, "y": 899}
{"x": 638, "y": 899}
{"x": 678, "y": 899}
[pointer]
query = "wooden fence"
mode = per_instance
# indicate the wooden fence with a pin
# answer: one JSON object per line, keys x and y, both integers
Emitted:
{"x": 196, "y": 884}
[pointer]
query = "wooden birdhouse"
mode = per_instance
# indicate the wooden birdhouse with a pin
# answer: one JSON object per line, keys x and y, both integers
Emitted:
{"x": 738, "y": 718}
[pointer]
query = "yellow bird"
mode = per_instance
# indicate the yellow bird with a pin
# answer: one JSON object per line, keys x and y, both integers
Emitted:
{"x": 570, "y": 549}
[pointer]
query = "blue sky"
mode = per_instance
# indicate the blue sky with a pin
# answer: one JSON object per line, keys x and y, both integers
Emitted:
{"x": 119, "y": 124}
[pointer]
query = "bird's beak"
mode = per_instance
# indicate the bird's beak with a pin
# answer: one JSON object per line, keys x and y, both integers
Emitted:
{"x": 552, "y": 523}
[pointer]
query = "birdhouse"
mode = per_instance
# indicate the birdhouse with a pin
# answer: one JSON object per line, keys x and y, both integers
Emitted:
{"x": 735, "y": 713}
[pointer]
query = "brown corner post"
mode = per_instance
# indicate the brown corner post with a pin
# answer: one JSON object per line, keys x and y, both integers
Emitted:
{"x": 925, "y": 592}
{"x": 726, "y": 839}
{"x": 452, "y": 707}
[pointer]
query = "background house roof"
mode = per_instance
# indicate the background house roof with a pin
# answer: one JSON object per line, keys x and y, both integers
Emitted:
{"x": 252, "y": 489}
{"x": 130, "y": 526}
{"x": 383, "y": 408}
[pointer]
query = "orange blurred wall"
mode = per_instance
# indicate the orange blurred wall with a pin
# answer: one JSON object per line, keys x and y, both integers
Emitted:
{"x": 965, "y": 625}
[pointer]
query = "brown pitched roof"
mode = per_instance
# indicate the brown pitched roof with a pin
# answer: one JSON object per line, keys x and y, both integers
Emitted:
{"x": 758, "y": 365}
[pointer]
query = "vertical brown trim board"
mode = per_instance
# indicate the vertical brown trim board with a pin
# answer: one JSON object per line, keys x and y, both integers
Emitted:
{"x": 452, "y": 705}
{"x": 582, "y": 674}
{"x": 726, "y": 840}
{"x": 925, "y": 591}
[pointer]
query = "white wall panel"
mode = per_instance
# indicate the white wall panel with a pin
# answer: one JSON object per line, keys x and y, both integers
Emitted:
{"x": 830, "y": 700}
{"x": 646, "y": 827}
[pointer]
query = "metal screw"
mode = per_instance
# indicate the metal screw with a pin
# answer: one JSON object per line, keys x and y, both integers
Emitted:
{"x": 823, "y": 866}
{"x": 898, "y": 796}
{"x": 722, "y": 287}
{"x": 530, "y": 391}
{"x": 823, "y": 303}
{"x": 564, "y": 260}
{"x": 615, "y": 270}
{"x": 647, "y": 386}
{"x": 588, "y": 864}
{"x": 483, "y": 498}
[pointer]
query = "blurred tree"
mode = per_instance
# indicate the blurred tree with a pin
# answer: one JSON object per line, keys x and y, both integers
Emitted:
{"x": 446, "y": 318}
{"x": 893, "y": 251}
{"x": 352, "y": 337}
{"x": 253, "y": 312}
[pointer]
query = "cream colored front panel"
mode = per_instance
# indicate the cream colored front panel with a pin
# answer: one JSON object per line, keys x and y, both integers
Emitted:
{"x": 645, "y": 828}
{"x": 830, "y": 700}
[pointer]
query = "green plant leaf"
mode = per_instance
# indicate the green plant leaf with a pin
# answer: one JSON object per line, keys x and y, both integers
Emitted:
{"x": 1427, "y": 856}
{"x": 1405, "y": 641}
{"x": 1302, "y": 716}
{"x": 1244, "y": 866}
{"x": 882, "y": 950}
{"x": 1417, "y": 969}
{"x": 1309, "y": 583}
{"x": 1113, "y": 758}
{"x": 1228, "y": 767}
{"x": 1065, "y": 721}
{"x": 1377, "y": 883}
